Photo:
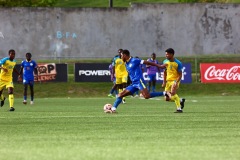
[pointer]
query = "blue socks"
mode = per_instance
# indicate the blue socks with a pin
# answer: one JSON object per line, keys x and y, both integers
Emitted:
{"x": 117, "y": 102}
{"x": 156, "y": 94}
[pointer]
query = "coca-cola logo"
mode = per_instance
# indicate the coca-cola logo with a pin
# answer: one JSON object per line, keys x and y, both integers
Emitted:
{"x": 222, "y": 74}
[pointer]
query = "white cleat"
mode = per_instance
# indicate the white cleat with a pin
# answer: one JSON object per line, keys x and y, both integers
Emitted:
{"x": 31, "y": 103}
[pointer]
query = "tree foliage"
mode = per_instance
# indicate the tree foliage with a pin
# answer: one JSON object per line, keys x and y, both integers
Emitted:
{"x": 27, "y": 3}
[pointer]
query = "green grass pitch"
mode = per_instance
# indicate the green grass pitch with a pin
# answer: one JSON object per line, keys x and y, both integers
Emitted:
{"x": 77, "y": 128}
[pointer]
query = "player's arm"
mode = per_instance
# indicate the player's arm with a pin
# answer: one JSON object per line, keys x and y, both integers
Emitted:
{"x": 16, "y": 71}
{"x": 147, "y": 66}
{"x": 153, "y": 64}
{"x": 2, "y": 61}
{"x": 164, "y": 78}
{"x": 179, "y": 77}
{"x": 158, "y": 68}
{"x": 176, "y": 82}
{"x": 4, "y": 69}
{"x": 20, "y": 73}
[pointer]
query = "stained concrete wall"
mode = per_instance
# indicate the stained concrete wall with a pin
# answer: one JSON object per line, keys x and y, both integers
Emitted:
{"x": 143, "y": 28}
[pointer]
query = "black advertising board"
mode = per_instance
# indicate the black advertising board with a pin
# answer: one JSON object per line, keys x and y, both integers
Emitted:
{"x": 48, "y": 72}
{"x": 92, "y": 72}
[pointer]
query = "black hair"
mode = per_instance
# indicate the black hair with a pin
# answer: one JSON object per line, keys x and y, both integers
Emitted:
{"x": 126, "y": 52}
{"x": 120, "y": 50}
{"x": 10, "y": 51}
{"x": 170, "y": 50}
{"x": 29, "y": 54}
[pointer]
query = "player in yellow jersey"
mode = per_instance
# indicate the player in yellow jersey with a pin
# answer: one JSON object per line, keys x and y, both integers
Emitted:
{"x": 172, "y": 78}
{"x": 119, "y": 69}
{"x": 6, "y": 80}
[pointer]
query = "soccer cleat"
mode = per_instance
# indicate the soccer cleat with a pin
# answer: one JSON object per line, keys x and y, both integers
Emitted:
{"x": 111, "y": 96}
{"x": 182, "y": 103}
{"x": 31, "y": 103}
{"x": 24, "y": 102}
{"x": 178, "y": 111}
{"x": 2, "y": 102}
{"x": 12, "y": 109}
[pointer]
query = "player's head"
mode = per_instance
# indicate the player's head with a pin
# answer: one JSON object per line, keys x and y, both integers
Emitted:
{"x": 119, "y": 52}
{"x": 153, "y": 56}
{"x": 28, "y": 56}
{"x": 125, "y": 55}
{"x": 169, "y": 53}
{"x": 11, "y": 54}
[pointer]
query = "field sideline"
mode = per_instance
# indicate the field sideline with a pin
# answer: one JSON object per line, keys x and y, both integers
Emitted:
{"x": 77, "y": 128}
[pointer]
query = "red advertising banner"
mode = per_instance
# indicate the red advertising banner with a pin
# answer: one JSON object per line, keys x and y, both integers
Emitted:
{"x": 220, "y": 72}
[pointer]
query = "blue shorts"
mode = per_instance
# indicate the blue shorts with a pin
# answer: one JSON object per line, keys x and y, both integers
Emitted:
{"x": 152, "y": 77}
{"x": 134, "y": 87}
{"x": 30, "y": 82}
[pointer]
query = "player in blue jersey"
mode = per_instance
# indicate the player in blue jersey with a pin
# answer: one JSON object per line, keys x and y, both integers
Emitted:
{"x": 6, "y": 80}
{"x": 28, "y": 68}
{"x": 136, "y": 76}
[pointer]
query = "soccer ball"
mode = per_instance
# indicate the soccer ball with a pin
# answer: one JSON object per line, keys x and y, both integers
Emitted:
{"x": 107, "y": 107}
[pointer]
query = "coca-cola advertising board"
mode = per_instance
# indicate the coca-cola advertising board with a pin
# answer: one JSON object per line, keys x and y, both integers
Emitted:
{"x": 220, "y": 72}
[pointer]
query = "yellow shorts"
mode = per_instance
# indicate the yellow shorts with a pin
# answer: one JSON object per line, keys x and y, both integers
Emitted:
{"x": 6, "y": 83}
{"x": 121, "y": 80}
{"x": 169, "y": 84}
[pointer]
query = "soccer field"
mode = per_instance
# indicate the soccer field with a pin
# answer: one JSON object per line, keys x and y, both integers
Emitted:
{"x": 77, "y": 128}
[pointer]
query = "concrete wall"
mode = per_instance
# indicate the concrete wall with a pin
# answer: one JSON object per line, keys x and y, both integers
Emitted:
{"x": 143, "y": 28}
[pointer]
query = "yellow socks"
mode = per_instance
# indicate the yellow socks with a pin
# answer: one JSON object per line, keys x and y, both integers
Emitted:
{"x": 176, "y": 99}
{"x": 11, "y": 100}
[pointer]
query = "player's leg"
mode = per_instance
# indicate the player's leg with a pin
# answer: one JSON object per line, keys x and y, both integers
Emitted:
{"x": 2, "y": 98}
{"x": 174, "y": 97}
{"x": 124, "y": 85}
{"x": 174, "y": 91}
{"x": 145, "y": 92}
{"x": 149, "y": 82}
{"x": 25, "y": 88}
{"x": 11, "y": 98}
{"x": 31, "y": 91}
{"x": 168, "y": 94}
{"x": 113, "y": 89}
{"x": 128, "y": 91}
{"x": 119, "y": 84}
{"x": 152, "y": 94}
{"x": 154, "y": 83}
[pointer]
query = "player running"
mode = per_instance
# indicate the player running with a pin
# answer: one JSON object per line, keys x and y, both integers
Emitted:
{"x": 136, "y": 76}
{"x": 6, "y": 79}
{"x": 28, "y": 67}
{"x": 172, "y": 78}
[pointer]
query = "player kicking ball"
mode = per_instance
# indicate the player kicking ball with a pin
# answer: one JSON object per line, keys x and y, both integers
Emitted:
{"x": 136, "y": 76}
